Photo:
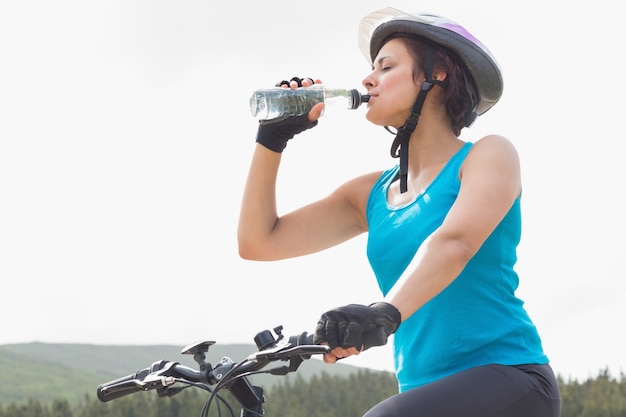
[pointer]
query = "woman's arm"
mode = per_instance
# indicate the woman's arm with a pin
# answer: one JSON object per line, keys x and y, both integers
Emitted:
{"x": 264, "y": 235}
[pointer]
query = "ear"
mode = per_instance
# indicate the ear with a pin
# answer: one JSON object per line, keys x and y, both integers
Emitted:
{"x": 440, "y": 75}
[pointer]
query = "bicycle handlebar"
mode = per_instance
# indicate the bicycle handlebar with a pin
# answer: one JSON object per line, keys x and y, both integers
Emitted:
{"x": 162, "y": 375}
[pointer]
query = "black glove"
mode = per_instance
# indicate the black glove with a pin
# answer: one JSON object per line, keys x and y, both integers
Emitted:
{"x": 274, "y": 134}
{"x": 357, "y": 326}
{"x": 298, "y": 81}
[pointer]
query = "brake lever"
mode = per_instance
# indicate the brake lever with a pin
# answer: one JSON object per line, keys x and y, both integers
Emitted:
{"x": 267, "y": 354}
{"x": 159, "y": 377}
{"x": 295, "y": 355}
{"x": 287, "y": 351}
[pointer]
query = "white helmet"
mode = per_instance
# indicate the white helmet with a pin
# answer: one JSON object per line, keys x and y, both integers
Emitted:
{"x": 482, "y": 67}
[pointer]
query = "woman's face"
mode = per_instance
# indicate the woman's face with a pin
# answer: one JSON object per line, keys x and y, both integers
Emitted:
{"x": 391, "y": 85}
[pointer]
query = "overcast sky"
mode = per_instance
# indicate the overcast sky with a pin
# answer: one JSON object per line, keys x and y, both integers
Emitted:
{"x": 125, "y": 137}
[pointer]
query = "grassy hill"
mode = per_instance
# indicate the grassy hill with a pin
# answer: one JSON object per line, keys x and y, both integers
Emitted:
{"x": 47, "y": 371}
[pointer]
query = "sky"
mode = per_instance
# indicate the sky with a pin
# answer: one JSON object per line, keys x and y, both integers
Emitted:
{"x": 125, "y": 138}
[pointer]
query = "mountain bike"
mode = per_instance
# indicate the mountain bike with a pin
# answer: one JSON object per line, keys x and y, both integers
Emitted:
{"x": 169, "y": 378}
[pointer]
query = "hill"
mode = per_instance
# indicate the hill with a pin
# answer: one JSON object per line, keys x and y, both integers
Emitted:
{"x": 46, "y": 371}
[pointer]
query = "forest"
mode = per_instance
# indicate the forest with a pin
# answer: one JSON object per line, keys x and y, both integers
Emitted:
{"x": 321, "y": 396}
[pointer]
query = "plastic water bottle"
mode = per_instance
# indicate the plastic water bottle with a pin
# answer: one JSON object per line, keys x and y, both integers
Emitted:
{"x": 272, "y": 103}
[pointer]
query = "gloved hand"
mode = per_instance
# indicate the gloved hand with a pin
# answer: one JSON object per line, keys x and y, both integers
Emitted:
{"x": 297, "y": 82}
{"x": 358, "y": 326}
{"x": 274, "y": 134}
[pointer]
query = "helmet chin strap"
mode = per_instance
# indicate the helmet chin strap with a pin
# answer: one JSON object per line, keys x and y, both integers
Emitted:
{"x": 400, "y": 145}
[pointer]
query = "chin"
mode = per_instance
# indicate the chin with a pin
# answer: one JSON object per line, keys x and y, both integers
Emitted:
{"x": 380, "y": 123}
{"x": 379, "y": 120}
{"x": 373, "y": 119}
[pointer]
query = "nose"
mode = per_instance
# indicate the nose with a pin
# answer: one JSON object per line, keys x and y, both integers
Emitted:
{"x": 369, "y": 81}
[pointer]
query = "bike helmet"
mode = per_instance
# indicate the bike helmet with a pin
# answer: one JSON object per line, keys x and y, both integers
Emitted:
{"x": 483, "y": 78}
{"x": 483, "y": 68}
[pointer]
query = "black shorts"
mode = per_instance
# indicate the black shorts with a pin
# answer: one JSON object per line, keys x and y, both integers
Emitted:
{"x": 483, "y": 391}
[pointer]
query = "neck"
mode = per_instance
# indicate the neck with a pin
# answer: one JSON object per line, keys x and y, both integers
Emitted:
{"x": 431, "y": 143}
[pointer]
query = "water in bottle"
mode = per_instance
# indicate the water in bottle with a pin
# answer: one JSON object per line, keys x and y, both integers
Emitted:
{"x": 272, "y": 103}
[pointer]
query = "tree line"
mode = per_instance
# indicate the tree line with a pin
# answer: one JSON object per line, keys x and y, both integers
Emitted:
{"x": 320, "y": 396}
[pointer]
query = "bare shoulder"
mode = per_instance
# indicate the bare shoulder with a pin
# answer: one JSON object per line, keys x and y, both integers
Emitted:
{"x": 495, "y": 144}
{"x": 493, "y": 159}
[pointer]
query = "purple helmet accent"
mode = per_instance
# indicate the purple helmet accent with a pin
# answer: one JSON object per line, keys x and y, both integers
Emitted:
{"x": 480, "y": 64}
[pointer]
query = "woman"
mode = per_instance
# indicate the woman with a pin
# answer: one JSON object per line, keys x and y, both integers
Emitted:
{"x": 443, "y": 226}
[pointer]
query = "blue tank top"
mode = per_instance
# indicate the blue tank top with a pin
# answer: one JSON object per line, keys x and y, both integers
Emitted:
{"x": 477, "y": 319}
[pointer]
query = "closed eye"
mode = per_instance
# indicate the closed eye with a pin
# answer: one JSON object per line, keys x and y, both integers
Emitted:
{"x": 380, "y": 63}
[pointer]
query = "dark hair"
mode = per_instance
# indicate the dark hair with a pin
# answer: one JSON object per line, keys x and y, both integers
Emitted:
{"x": 457, "y": 100}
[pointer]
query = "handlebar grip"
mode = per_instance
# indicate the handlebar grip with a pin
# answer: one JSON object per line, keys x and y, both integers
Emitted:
{"x": 302, "y": 339}
{"x": 122, "y": 386}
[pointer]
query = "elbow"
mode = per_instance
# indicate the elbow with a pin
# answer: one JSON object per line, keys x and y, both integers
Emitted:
{"x": 457, "y": 250}
{"x": 246, "y": 244}
{"x": 248, "y": 255}
{"x": 465, "y": 253}
{"x": 251, "y": 250}
{"x": 244, "y": 254}
{"x": 253, "y": 245}
{"x": 247, "y": 250}
{"x": 462, "y": 251}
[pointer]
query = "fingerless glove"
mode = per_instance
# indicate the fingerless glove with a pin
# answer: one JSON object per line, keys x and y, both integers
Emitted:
{"x": 274, "y": 134}
{"x": 356, "y": 325}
